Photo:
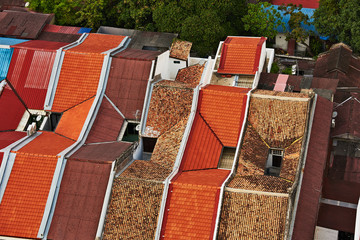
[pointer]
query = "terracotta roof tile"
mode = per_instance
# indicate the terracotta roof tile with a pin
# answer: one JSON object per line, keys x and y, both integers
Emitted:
{"x": 223, "y": 109}
{"x": 252, "y": 216}
{"x": 261, "y": 183}
{"x": 190, "y": 75}
{"x": 72, "y": 120}
{"x": 41, "y": 144}
{"x": 141, "y": 169}
{"x": 97, "y": 43}
{"x": 168, "y": 105}
{"x": 203, "y": 148}
{"x": 81, "y": 197}
{"x": 78, "y": 81}
{"x": 133, "y": 209}
{"x": 240, "y": 55}
{"x": 23, "y": 204}
{"x": 192, "y": 204}
{"x": 180, "y": 49}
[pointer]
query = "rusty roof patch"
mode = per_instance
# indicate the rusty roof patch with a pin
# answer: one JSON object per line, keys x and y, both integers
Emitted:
{"x": 180, "y": 49}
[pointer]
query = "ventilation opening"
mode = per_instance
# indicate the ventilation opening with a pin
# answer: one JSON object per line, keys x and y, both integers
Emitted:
{"x": 227, "y": 157}
{"x": 51, "y": 122}
{"x": 32, "y": 120}
{"x": 130, "y": 131}
{"x": 345, "y": 236}
{"x": 274, "y": 161}
{"x": 150, "y": 48}
{"x": 149, "y": 144}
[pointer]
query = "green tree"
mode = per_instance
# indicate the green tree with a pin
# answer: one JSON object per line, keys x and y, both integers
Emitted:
{"x": 262, "y": 19}
{"x": 339, "y": 19}
{"x": 298, "y": 21}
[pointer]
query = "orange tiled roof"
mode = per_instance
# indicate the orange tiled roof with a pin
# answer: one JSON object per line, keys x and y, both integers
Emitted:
{"x": 23, "y": 204}
{"x": 240, "y": 55}
{"x": 48, "y": 143}
{"x": 78, "y": 81}
{"x": 203, "y": 147}
{"x": 192, "y": 204}
{"x": 223, "y": 109}
{"x": 72, "y": 120}
{"x": 97, "y": 43}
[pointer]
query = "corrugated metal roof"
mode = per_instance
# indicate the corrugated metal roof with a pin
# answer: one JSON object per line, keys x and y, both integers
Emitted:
{"x": 11, "y": 41}
{"x": 40, "y": 45}
{"x": 11, "y": 110}
{"x": 308, "y": 206}
{"x": 107, "y": 125}
{"x": 337, "y": 218}
{"x": 29, "y": 73}
{"x": 80, "y": 200}
{"x": 84, "y": 30}
{"x": 61, "y": 29}
{"x": 58, "y": 37}
{"x": 304, "y": 3}
{"x": 5, "y": 58}
{"x": 7, "y": 138}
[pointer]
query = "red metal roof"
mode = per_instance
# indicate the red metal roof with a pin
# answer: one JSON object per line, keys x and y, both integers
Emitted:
{"x": 308, "y": 206}
{"x": 304, "y": 3}
{"x": 24, "y": 200}
{"x": 29, "y": 73}
{"x": 347, "y": 120}
{"x": 240, "y": 55}
{"x": 40, "y": 45}
{"x": 341, "y": 190}
{"x": 107, "y": 125}
{"x": 127, "y": 84}
{"x": 223, "y": 109}
{"x": 136, "y": 54}
{"x": 61, "y": 29}
{"x": 80, "y": 200}
{"x": 11, "y": 110}
{"x": 72, "y": 120}
{"x": 7, "y": 138}
{"x": 203, "y": 147}
{"x": 337, "y": 218}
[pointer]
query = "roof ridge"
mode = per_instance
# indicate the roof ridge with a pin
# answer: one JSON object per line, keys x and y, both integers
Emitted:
{"x": 79, "y": 103}
{"x": 210, "y": 128}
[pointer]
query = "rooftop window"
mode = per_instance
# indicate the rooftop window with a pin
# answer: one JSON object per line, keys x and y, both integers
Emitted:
{"x": 274, "y": 162}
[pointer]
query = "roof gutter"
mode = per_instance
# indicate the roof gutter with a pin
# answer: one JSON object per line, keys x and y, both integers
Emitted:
{"x": 291, "y": 215}
{"x": 55, "y": 73}
{"x": 237, "y": 154}
{"x": 177, "y": 161}
{"x": 60, "y": 168}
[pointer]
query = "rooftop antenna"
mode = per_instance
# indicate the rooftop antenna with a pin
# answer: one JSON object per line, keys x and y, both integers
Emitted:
{"x": 17, "y": 95}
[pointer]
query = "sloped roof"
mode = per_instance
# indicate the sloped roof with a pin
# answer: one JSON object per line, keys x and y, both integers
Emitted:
{"x": 190, "y": 75}
{"x": 80, "y": 200}
{"x": 137, "y": 54}
{"x": 180, "y": 49}
{"x": 223, "y": 109}
{"x": 58, "y": 37}
{"x": 304, "y": 3}
{"x": 260, "y": 183}
{"x": 7, "y": 138}
{"x": 65, "y": 29}
{"x": 22, "y": 24}
{"x": 107, "y": 125}
{"x": 249, "y": 216}
{"x": 317, "y": 155}
{"x": 205, "y": 157}
{"x": 11, "y": 41}
{"x": 12, "y": 108}
{"x": 23, "y": 203}
{"x": 162, "y": 117}
{"x": 73, "y": 119}
{"x": 5, "y": 58}
{"x": 133, "y": 209}
{"x": 127, "y": 82}
{"x": 30, "y": 70}
{"x": 240, "y": 55}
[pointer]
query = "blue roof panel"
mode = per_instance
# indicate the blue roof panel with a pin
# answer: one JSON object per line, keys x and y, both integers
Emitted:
{"x": 11, "y": 41}
{"x": 5, "y": 58}
{"x": 84, "y": 30}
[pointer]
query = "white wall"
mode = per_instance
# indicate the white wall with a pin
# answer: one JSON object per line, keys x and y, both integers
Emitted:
{"x": 270, "y": 54}
{"x": 280, "y": 41}
{"x": 162, "y": 65}
{"x": 262, "y": 57}
{"x": 322, "y": 233}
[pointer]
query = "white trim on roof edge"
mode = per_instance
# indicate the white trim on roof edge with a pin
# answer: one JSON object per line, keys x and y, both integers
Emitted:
{"x": 106, "y": 202}
{"x": 177, "y": 162}
{"x": 54, "y": 190}
{"x": 55, "y": 73}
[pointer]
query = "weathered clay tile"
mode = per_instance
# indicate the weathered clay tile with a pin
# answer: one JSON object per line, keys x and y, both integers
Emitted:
{"x": 180, "y": 49}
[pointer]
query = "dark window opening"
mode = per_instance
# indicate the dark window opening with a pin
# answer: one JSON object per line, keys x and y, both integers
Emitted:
{"x": 150, "y": 48}
{"x": 149, "y": 144}
{"x": 274, "y": 161}
{"x": 131, "y": 133}
{"x": 52, "y": 121}
{"x": 177, "y": 62}
{"x": 345, "y": 236}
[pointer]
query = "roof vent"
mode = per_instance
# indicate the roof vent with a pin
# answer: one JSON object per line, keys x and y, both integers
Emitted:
{"x": 333, "y": 123}
{"x": 31, "y": 129}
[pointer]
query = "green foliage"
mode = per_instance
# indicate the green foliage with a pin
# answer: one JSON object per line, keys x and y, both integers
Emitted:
{"x": 316, "y": 45}
{"x": 274, "y": 68}
{"x": 339, "y": 19}
{"x": 262, "y": 19}
{"x": 287, "y": 71}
